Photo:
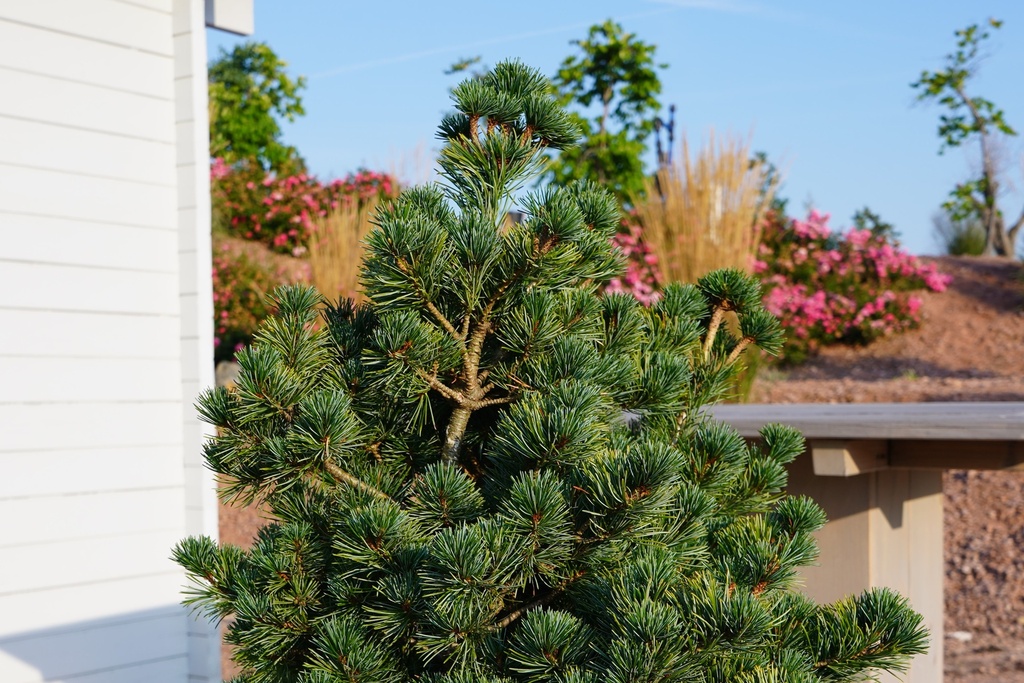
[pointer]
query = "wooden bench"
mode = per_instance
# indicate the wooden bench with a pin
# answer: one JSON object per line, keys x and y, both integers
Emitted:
{"x": 876, "y": 469}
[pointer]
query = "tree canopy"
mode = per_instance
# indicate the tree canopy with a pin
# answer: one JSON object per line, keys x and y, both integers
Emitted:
{"x": 250, "y": 93}
{"x": 972, "y": 118}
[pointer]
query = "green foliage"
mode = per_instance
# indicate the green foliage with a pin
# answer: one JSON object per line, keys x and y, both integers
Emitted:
{"x": 866, "y": 219}
{"x": 959, "y": 236}
{"x": 490, "y": 473}
{"x": 614, "y": 86}
{"x": 249, "y": 92}
{"x": 243, "y": 278}
{"x": 971, "y": 118}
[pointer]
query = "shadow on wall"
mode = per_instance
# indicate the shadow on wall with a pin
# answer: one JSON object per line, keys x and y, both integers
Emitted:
{"x": 150, "y": 645}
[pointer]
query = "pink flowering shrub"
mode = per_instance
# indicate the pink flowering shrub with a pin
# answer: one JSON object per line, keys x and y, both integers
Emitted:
{"x": 243, "y": 275}
{"x": 830, "y": 288}
{"x": 641, "y": 277}
{"x": 281, "y": 211}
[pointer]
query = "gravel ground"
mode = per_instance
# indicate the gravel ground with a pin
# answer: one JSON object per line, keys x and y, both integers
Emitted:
{"x": 968, "y": 348}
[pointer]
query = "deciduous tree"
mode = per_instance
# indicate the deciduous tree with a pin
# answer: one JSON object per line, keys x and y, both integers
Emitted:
{"x": 972, "y": 119}
{"x": 250, "y": 93}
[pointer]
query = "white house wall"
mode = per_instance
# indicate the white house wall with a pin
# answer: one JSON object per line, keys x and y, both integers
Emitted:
{"x": 105, "y": 338}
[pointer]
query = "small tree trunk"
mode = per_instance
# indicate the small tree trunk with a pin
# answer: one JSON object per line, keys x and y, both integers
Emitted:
{"x": 457, "y": 424}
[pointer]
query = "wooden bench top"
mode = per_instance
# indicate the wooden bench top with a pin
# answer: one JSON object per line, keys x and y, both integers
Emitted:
{"x": 918, "y": 421}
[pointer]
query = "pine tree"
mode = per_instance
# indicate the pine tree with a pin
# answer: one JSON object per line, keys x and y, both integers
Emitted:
{"x": 491, "y": 473}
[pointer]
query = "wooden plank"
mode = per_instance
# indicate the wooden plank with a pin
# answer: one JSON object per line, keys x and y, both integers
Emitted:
{"x": 172, "y": 669}
{"x": 52, "y": 519}
{"x": 944, "y": 455}
{"x": 86, "y": 152}
{"x": 105, "y": 600}
{"x": 105, "y": 21}
{"x": 59, "y": 55}
{"x": 39, "y": 98}
{"x": 165, "y": 6}
{"x": 72, "y": 288}
{"x": 72, "y": 563}
{"x": 104, "y": 200}
{"x": 933, "y": 421}
{"x": 66, "y": 241}
{"x": 48, "y": 426}
{"x": 63, "y": 380}
{"x": 165, "y": 670}
{"x": 87, "y": 335}
{"x": 94, "y": 649}
{"x": 849, "y": 458}
{"x": 64, "y": 472}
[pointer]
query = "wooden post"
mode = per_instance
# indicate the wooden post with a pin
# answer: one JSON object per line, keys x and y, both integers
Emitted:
{"x": 885, "y": 529}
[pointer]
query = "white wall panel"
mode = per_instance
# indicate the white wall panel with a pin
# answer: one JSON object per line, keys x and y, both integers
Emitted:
{"x": 104, "y": 200}
{"x": 73, "y": 150}
{"x": 106, "y": 21}
{"x": 91, "y": 408}
{"x": 106, "y": 601}
{"x": 64, "y": 472}
{"x": 86, "y": 335}
{"x": 71, "y": 242}
{"x": 72, "y": 563}
{"x": 42, "y": 51}
{"x": 55, "y": 426}
{"x": 73, "y": 288}
{"x": 54, "y": 657}
{"x": 40, "y": 98}
{"x": 64, "y": 518}
{"x": 170, "y": 668}
{"x": 77, "y": 380}
{"x": 155, "y": 5}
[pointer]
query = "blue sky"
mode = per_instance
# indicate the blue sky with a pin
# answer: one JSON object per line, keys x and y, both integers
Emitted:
{"x": 822, "y": 87}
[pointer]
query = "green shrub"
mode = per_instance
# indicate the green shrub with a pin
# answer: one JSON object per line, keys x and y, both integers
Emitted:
{"x": 243, "y": 278}
{"x": 959, "y": 237}
{"x": 490, "y": 473}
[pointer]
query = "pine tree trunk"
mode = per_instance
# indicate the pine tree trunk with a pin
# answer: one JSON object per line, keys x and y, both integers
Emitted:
{"x": 453, "y": 437}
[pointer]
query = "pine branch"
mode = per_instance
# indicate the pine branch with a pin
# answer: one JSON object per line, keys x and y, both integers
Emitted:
{"x": 716, "y": 322}
{"x": 342, "y": 475}
{"x": 744, "y": 343}
{"x": 441, "y": 387}
{"x": 428, "y": 304}
{"x": 492, "y": 402}
{"x": 521, "y": 611}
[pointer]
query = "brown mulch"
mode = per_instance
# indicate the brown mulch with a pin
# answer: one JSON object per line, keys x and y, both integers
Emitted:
{"x": 970, "y": 347}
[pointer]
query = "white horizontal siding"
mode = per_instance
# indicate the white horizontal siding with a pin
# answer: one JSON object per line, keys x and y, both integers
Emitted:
{"x": 103, "y": 200}
{"x": 168, "y": 668}
{"x": 87, "y": 335}
{"x": 55, "y": 426}
{"x": 67, "y": 472}
{"x": 117, "y": 23}
{"x": 72, "y": 150}
{"x": 53, "y": 657}
{"x": 72, "y": 563}
{"x": 73, "y": 288}
{"x": 64, "y": 241}
{"x": 97, "y": 240}
{"x": 155, "y": 5}
{"x": 96, "y": 515}
{"x": 45, "y": 52}
{"x": 78, "y": 380}
{"x": 107, "y": 601}
{"x": 40, "y": 98}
